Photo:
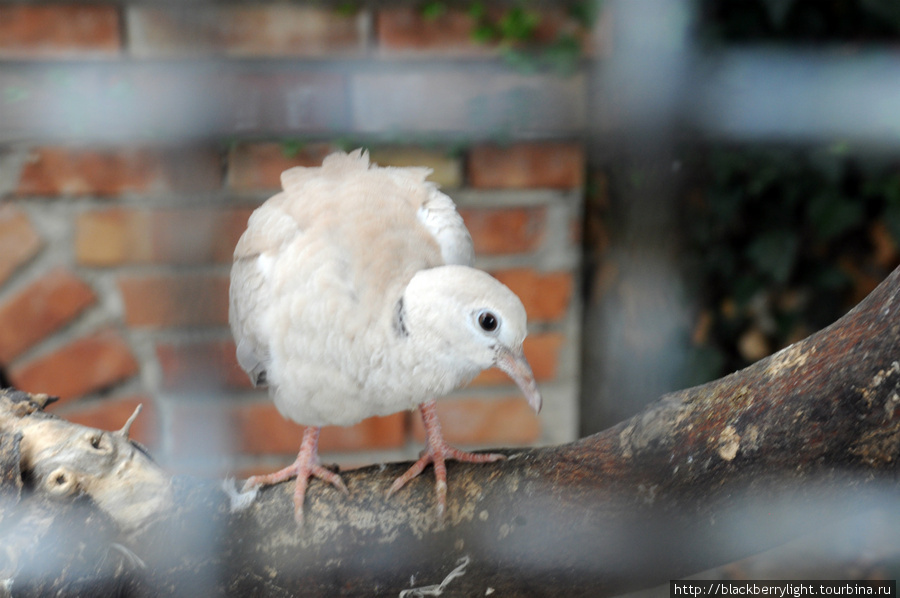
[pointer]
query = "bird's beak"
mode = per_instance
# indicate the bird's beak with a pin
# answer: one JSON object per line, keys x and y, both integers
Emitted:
{"x": 517, "y": 368}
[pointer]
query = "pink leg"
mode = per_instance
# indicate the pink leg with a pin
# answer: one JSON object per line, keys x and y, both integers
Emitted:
{"x": 437, "y": 451}
{"x": 305, "y": 466}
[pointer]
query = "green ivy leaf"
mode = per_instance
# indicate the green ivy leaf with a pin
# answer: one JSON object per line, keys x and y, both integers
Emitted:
{"x": 585, "y": 12}
{"x": 477, "y": 11}
{"x": 431, "y": 11}
{"x": 891, "y": 219}
{"x": 778, "y": 11}
{"x": 519, "y": 24}
{"x": 484, "y": 33}
{"x": 745, "y": 287}
{"x": 774, "y": 253}
{"x": 890, "y": 188}
{"x": 831, "y": 214}
{"x": 346, "y": 144}
{"x": 563, "y": 54}
{"x": 889, "y": 10}
{"x": 704, "y": 364}
{"x": 830, "y": 277}
{"x": 347, "y": 9}
{"x": 290, "y": 148}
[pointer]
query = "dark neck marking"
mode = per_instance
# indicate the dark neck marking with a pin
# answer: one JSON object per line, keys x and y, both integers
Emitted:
{"x": 399, "y": 319}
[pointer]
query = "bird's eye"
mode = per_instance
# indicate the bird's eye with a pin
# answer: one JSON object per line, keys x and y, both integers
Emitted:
{"x": 487, "y": 321}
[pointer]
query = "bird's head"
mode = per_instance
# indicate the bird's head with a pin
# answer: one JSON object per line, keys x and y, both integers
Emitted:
{"x": 472, "y": 321}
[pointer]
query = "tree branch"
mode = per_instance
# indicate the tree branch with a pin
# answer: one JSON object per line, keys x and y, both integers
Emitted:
{"x": 808, "y": 430}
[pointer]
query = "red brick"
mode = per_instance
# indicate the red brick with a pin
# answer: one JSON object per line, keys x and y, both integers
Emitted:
{"x": 200, "y": 364}
{"x": 125, "y": 236}
{"x": 275, "y": 29}
{"x": 108, "y": 172}
{"x": 111, "y": 414}
{"x": 375, "y": 433}
{"x": 163, "y": 301}
{"x": 446, "y": 170}
{"x": 89, "y": 364}
{"x": 484, "y": 421}
{"x": 19, "y": 242}
{"x": 548, "y": 165}
{"x": 260, "y": 429}
{"x": 40, "y": 309}
{"x": 258, "y": 166}
{"x": 505, "y": 230}
{"x": 541, "y": 351}
{"x": 556, "y": 22}
{"x": 405, "y": 29}
{"x": 576, "y": 231}
{"x": 59, "y": 31}
{"x": 546, "y": 296}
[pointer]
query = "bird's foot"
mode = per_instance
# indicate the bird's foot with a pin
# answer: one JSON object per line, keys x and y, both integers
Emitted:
{"x": 314, "y": 470}
{"x": 437, "y": 452}
{"x": 305, "y": 467}
{"x": 301, "y": 471}
{"x": 270, "y": 479}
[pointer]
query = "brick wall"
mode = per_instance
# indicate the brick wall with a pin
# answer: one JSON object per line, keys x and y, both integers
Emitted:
{"x": 135, "y": 140}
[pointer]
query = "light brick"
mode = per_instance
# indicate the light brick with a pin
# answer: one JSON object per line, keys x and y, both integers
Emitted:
{"x": 505, "y": 230}
{"x": 199, "y": 430}
{"x": 107, "y": 172}
{"x": 188, "y": 100}
{"x": 119, "y": 102}
{"x": 271, "y": 29}
{"x": 541, "y": 351}
{"x": 19, "y": 242}
{"x": 200, "y": 365}
{"x": 530, "y": 165}
{"x": 119, "y": 236}
{"x": 545, "y": 295}
{"x": 446, "y": 170}
{"x": 282, "y": 99}
{"x": 483, "y": 100}
{"x": 261, "y": 429}
{"x": 89, "y": 364}
{"x": 40, "y": 309}
{"x": 59, "y": 31}
{"x": 258, "y": 166}
{"x": 166, "y": 301}
{"x": 475, "y": 421}
{"x": 111, "y": 415}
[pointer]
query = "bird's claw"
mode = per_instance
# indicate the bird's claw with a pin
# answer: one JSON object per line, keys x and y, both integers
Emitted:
{"x": 436, "y": 454}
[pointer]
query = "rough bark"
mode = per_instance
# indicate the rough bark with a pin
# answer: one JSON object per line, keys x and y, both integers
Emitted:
{"x": 704, "y": 476}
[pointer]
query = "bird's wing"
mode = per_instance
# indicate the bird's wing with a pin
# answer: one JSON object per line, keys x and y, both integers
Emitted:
{"x": 268, "y": 231}
{"x": 439, "y": 217}
{"x": 252, "y": 350}
{"x": 372, "y": 219}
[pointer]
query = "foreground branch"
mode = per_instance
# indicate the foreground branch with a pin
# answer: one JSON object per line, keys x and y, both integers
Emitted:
{"x": 656, "y": 497}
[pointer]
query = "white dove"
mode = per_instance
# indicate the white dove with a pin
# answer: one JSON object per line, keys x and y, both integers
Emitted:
{"x": 352, "y": 295}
